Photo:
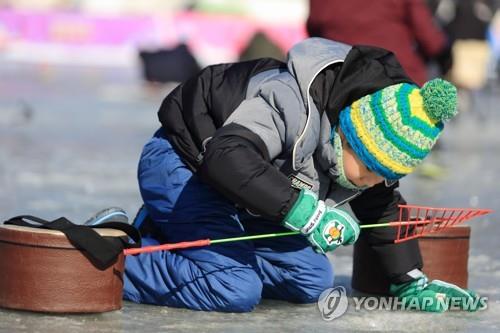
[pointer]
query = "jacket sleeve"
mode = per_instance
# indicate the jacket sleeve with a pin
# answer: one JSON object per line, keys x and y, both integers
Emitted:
{"x": 237, "y": 160}
{"x": 377, "y": 205}
{"x": 431, "y": 39}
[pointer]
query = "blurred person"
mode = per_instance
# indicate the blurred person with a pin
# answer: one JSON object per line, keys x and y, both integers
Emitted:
{"x": 464, "y": 19}
{"x": 405, "y": 27}
{"x": 163, "y": 65}
{"x": 494, "y": 41}
{"x": 466, "y": 22}
{"x": 261, "y": 46}
{"x": 263, "y": 147}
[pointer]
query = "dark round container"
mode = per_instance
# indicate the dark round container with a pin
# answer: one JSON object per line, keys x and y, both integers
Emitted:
{"x": 445, "y": 255}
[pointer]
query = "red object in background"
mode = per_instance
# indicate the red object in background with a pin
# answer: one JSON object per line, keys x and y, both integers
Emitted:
{"x": 405, "y": 27}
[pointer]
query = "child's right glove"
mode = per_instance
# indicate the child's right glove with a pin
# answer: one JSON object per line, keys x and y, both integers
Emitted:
{"x": 326, "y": 228}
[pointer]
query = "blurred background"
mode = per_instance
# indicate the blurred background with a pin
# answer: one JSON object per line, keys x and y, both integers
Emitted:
{"x": 81, "y": 82}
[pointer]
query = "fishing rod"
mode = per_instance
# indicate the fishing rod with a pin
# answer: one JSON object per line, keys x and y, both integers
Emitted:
{"x": 414, "y": 222}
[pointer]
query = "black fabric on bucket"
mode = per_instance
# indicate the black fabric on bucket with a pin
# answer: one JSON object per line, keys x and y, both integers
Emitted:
{"x": 102, "y": 251}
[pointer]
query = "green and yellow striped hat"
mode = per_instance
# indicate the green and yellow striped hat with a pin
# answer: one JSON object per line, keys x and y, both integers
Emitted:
{"x": 395, "y": 128}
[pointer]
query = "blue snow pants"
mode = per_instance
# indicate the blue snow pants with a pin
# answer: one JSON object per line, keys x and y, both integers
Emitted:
{"x": 229, "y": 277}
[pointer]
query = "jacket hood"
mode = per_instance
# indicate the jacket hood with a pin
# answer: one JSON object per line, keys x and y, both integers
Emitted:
{"x": 365, "y": 69}
{"x": 309, "y": 57}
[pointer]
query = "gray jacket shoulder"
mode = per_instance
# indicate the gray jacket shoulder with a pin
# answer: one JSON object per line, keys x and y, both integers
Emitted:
{"x": 282, "y": 94}
{"x": 273, "y": 109}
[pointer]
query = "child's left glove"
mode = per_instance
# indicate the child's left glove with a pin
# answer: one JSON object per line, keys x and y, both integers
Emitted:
{"x": 326, "y": 228}
{"x": 435, "y": 296}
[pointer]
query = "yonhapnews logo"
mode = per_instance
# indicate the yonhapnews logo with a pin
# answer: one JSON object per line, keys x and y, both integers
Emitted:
{"x": 333, "y": 303}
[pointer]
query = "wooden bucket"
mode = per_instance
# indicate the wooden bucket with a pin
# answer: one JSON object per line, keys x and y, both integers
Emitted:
{"x": 40, "y": 270}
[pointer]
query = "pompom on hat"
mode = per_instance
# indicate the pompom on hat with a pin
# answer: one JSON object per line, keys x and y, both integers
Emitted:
{"x": 393, "y": 129}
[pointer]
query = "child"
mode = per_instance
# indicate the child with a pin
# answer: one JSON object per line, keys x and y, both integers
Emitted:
{"x": 261, "y": 146}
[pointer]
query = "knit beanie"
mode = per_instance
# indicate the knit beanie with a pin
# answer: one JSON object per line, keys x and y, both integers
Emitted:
{"x": 393, "y": 129}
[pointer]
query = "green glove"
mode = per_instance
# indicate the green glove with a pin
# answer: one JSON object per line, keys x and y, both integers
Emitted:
{"x": 436, "y": 296}
{"x": 326, "y": 228}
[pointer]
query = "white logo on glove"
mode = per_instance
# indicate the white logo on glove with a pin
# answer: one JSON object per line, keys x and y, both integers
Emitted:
{"x": 334, "y": 233}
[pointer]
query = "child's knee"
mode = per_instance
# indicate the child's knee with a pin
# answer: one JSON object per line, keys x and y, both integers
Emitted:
{"x": 239, "y": 290}
{"x": 315, "y": 285}
{"x": 307, "y": 286}
{"x": 236, "y": 289}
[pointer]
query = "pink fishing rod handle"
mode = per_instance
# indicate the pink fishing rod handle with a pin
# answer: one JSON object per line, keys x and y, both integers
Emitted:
{"x": 167, "y": 247}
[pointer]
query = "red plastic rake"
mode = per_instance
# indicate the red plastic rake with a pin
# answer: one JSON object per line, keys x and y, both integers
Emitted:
{"x": 414, "y": 222}
{"x": 421, "y": 220}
